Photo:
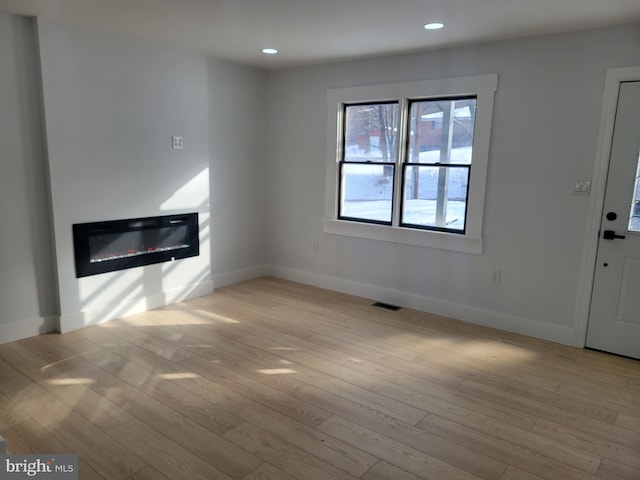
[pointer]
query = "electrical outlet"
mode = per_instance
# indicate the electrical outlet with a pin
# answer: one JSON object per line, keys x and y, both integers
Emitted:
{"x": 315, "y": 246}
{"x": 582, "y": 188}
{"x": 495, "y": 276}
{"x": 177, "y": 142}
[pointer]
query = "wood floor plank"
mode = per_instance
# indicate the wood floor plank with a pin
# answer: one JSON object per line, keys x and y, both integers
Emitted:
{"x": 630, "y": 422}
{"x": 447, "y": 402}
{"x": 553, "y": 413}
{"x": 285, "y": 455}
{"x": 540, "y": 444}
{"x": 385, "y": 471}
{"x": 167, "y": 388}
{"x": 625, "y": 367}
{"x": 618, "y": 400}
{"x": 291, "y": 427}
{"x": 513, "y": 473}
{"x": 296, "y": 352}
{"x": 315, "y": 442}
{"x": 567, "y": 371}
{"x": 106, "y": 455}
{"x": 200, "y": 440}
{"x": 546, "y": 400}
{"x": 72, "y": 390}
{"x": 10, "y": 413}
{"x": 268, "y": 472}
{"x": 594, "y": 444}
{"x": 159, "y": 347}
{"x": 203, "y": 442}
{"x": 257, "y": 391}
{"x": 148, "y": 473}
{"x": 415, "y": 438}
{"x": 522, "y": 458}
{"x": 11, "y": 379}
{"x": 390, "y": 450}
{"x": 164, "y": 454}
{"x": 610, "y": 470}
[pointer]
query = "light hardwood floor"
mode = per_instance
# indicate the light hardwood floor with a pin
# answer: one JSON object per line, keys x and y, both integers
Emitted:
{"x": 270, "y": 379}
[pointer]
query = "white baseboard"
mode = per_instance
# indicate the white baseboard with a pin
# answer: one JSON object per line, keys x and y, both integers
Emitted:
{"x": 466, "y": 313}
{"x": 74, "y": 321}
{"x": 28, "y": 327}
{"x": 237, "y": 276}
{"x": 511, "y": 323}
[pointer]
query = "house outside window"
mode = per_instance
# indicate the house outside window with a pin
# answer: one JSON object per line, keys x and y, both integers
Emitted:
{"x": 407, "y": 162}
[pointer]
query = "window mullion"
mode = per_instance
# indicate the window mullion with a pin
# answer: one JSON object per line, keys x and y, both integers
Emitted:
{"x": 445, "y": 156}
{"x": 398, "y": 190}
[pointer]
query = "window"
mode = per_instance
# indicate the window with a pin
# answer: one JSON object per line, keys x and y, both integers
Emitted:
{"x": 407, "y": 162}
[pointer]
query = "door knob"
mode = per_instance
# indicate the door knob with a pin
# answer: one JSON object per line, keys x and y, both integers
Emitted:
{"x": 611, "y": 235}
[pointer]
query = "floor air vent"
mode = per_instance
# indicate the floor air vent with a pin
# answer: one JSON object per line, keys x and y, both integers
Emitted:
{"x": 386, "y": 306}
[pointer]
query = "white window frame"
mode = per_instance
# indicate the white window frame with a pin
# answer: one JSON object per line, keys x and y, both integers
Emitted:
{"x": 483, "y": 87}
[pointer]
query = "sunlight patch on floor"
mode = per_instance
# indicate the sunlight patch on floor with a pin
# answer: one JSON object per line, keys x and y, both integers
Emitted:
{"x": 216, "y": 317}
{"x": 70, "y": 381}
{"x": 148, "y": 320}
{"x": 456, "y": 348}
{"x": 177, "y": 376}
{"x": 276, "y": 371}
{"x": 42, "y": 369}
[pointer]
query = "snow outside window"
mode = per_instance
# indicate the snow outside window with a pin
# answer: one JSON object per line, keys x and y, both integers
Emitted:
{"x": 407, "y": 162}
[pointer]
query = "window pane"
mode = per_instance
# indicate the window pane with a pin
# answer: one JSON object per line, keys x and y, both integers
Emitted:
{"x": 441, "y": 130}
{"x": 634, "y": 222}
{"x": 367, "y": 192}
{"x": 371, "y": 133}
{"x": 435, "y": 197}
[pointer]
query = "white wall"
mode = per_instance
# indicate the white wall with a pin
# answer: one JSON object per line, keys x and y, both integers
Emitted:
{"x": 545, "y": 125}
{"x": 239, "y": 155}
{"x": 27, "y": 290}
{"x": 111, "y": 106}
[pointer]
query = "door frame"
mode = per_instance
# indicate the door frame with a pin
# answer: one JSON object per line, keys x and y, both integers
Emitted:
{"x": 614, "y": 77}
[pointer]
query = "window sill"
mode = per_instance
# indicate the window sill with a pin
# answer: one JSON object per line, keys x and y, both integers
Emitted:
{"x": 407, "y": 236}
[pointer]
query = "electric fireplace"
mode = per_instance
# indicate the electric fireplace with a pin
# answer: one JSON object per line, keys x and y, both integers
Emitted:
{"x": 101, "y": 247}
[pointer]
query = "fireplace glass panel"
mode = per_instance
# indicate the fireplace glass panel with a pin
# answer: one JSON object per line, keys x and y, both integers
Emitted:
{"x": 115, "y": 245}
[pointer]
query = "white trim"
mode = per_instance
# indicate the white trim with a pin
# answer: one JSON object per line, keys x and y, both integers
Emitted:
{"x": 105, "y": 313}
{"x": 466, "y": 313}
{"x": 484, "y": 87}
{"x": 614, "y": 77}
{"x": 28, "y": 327}
{"x": 237, "y": 276}
{"x": 408, "y": 236}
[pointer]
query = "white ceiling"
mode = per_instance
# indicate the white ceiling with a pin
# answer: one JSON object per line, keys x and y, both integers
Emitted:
{"x": 314, "y": 31}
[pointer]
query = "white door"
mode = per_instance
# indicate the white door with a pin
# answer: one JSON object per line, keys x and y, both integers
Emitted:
{"x": 614, "y": 317}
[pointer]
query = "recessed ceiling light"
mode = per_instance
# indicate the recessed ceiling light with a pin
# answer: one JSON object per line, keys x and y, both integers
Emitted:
{"x": 434, "y": 26}
{"x": 269, "y": 51}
